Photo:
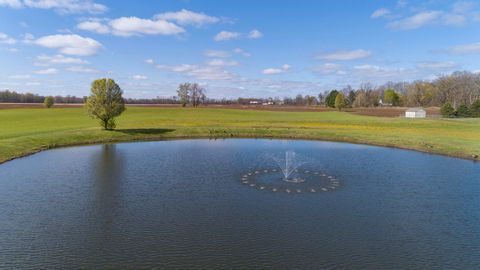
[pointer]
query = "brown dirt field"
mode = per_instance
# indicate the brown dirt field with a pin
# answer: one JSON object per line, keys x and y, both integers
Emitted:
{"x": 379, "y": 111}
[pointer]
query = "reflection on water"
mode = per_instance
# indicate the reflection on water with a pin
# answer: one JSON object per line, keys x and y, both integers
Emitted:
{"x": 183, "y": 204}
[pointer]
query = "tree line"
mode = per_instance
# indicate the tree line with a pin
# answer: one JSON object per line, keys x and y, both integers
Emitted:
{"x": 459, "y": 90}
{"x": 8, "y": 96}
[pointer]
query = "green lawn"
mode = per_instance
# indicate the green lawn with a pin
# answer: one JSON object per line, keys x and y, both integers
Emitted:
{"x": 24, "y": 131}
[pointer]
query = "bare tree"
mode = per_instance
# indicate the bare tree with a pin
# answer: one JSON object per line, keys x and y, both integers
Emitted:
{"x": 183, "y": 93}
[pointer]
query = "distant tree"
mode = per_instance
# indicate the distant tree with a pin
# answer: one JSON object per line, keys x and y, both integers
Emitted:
{"x": 420, "y": 93}
{"x": 311, "y": 100}
{"x": 463, "y": 111}
{"x": 390, "y": 96}
{"x": 197, "y": 94}
{"x": 475, "y": 108}
{"x": 183, "y": 93}
{"x": 360, "y": 99}
{"x": 447, "y": 110}
{"x": 321, "y": 98}
{"x": 330, "y": 99}
{"x": 340, "y": 101}
{"x": 351, "y": 98}
{"x": 299, "y": 100}
{"x": 49, "y": 101}
{"x": 105, "y": 102}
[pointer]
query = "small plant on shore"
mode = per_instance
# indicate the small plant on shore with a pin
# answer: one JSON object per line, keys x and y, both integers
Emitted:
{"x": 49, "y": 101}
{"x": 447, "y": 110}
{"x": 105, "y": 102}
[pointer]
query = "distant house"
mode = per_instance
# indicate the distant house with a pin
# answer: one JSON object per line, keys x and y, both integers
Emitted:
{"x": 254, "y": 102}
{"x": 415, "y": 113}
{"x": 384, "y": 104}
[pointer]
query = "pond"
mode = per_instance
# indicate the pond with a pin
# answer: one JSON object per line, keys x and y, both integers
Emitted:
{"x": 224, "y": 204}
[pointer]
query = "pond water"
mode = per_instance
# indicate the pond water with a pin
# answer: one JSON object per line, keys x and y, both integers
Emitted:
{"x": 222, "y": 204}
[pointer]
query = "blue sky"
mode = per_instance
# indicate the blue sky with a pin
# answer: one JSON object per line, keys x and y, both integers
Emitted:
{"x": 233, "y": 48}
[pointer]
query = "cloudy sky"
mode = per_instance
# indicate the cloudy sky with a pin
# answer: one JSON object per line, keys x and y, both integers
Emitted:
{"x": 233, "y": 48}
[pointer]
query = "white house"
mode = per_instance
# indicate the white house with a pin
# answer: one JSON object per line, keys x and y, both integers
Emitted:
{"x": 415, "y": 113}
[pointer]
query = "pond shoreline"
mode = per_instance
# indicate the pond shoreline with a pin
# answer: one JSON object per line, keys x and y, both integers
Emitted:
{"x": 202, "y": 137}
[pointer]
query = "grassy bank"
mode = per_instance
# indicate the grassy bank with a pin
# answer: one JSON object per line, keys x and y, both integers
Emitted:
{"x": 25, "y": 131}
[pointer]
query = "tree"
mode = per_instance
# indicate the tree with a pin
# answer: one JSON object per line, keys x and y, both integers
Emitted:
{"x": 105, "y": 102}
{"x": 183, "y": 93}
{"x": 420, "y": 93}
{"x": 463, "y": 111}
{"x": 311, "y": 100}
{"x": 475, "y": 108}
{"x": 351, "y": 98}
{"x": 330, "y": 99}
{"x": 49, "y": 101}
{"x": 447, "y": 110}
{"x": 196, "y": 94}
{"x": 340, "y": 101}
{"x": 390, "y": 96}
{"x": 299, "y": 100}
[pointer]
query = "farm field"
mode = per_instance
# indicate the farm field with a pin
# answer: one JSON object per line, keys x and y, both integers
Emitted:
{"x": 28, "y": 130}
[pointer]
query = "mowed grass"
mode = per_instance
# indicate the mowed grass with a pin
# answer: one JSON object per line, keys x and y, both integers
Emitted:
{"x": 25, "y": 131}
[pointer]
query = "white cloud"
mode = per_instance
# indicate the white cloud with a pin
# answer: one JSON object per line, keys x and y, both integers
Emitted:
{"x": 459, "y": 15}
{"x": 45, "y": 60}
{"x": 28, "y": 38}
{"x": 61, "y": 6}
{"x": 213, "y": 73}
{"x": 345, "y": 55}
{"x": 242, "y": 52}
{"x": 216, "y": 53}
{"x": 186, "y": 17}
{"x": 132, "y": 26}
{"x": 465, "y": 49}
{"x": 70, "y": 44}
{"x": 222, "y": 63}
{"x": 80, "y": 69}
{"x": 33, "y": 84}
{"x": 416, "y": 21}
{"x": 94, "y": 26}
{"x": 11, "y": 3}
{"x": 226, "y": 54}
{"x": 329, "y": 69}
{"x": 5, "y": 39}
{"x": 149, "y": 61}
{"x": 255, "y": 34}
{"x": 462, "y": 6}
{"x": 454, "y": 19}
{"x": 48, "y": 71}
{"x": 12, "y": 50}
{"x": 274, "y": 71}
{"x": 225, "y": 35}
{"x": 139, "y": 77}
{"x": 435, "y": 65}
{"x": 380, "y": 74}
{"x": 19, "y": 77}
{"x": 381, "y": 12}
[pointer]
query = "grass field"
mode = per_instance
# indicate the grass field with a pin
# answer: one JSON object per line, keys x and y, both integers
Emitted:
{"x": 29, "y": 130}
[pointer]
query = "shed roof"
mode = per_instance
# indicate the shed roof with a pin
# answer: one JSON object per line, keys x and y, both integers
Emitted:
{"x": 415, "y": 110}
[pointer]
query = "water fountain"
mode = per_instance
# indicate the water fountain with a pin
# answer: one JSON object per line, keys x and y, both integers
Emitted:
{"x": 289, "y": 165}
{"x": 289, "y": 178}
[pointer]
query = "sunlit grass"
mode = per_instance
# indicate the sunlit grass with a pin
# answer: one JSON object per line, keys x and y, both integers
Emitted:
{"x": 23, "y": 131}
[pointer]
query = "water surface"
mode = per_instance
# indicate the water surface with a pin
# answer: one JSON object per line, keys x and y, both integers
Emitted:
{"x": 181, "y": 204}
